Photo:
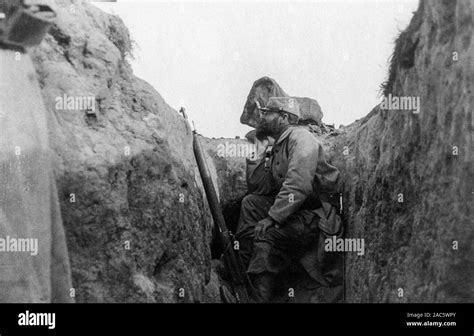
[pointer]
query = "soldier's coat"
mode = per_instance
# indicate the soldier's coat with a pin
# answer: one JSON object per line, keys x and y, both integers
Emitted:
{"x": 298, "y": 158}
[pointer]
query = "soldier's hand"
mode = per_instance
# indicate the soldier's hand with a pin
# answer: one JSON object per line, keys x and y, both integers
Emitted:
{"x": 262, "y": 226}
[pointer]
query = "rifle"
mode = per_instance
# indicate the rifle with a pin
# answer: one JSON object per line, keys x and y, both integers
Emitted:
{"x": 242, "y": 288}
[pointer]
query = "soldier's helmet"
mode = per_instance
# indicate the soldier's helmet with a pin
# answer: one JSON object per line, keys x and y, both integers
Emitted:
{"x": 283, "y": 104}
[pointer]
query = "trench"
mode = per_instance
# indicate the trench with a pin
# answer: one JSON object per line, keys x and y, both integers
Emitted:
{"x": 377, "y": 155}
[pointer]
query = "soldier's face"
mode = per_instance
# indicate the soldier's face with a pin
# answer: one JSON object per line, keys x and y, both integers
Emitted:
{"x": 269, "y": 122}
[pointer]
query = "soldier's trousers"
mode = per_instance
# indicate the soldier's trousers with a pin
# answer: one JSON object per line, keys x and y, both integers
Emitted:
{"x": 280, "y": 246}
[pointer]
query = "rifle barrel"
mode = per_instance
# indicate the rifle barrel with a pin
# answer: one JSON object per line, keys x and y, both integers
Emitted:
{"x": 211, "y": 193}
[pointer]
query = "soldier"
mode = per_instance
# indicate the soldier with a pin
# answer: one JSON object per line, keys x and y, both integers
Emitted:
{"x": 273, "y": 231}
{"x": 29, "y": 205}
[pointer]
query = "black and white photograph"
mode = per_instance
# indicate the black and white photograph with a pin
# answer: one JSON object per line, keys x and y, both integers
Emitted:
{"x": 262, "y": 153}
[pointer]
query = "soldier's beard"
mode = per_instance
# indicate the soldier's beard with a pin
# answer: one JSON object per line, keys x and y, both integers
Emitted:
{"x": 265, "y": 129}
{"x": 262, "y": 132}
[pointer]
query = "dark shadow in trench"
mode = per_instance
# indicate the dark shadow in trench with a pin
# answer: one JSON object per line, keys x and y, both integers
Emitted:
{"x": 231, "y": 213}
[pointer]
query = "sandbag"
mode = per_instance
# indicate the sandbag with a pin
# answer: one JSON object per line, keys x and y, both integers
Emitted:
{"x": 266, "y": 87}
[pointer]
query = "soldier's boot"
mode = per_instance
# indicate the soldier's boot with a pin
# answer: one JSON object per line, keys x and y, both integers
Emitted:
{"x": 264, "y": 284}
{"x": 226, "y": 295}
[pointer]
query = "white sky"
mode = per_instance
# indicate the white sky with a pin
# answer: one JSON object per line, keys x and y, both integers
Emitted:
{"x": 206, "y": 55}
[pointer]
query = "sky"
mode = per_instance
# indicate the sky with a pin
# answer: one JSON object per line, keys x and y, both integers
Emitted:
{"x": 205, "y": 56}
